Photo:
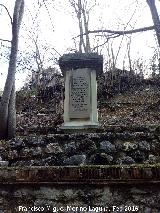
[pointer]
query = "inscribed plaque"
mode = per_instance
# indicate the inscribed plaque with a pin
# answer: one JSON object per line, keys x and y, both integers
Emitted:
{"x": 79, "y": 94}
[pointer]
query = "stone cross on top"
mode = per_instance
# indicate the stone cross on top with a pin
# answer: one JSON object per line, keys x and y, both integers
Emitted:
{"x": 80, "y": 104}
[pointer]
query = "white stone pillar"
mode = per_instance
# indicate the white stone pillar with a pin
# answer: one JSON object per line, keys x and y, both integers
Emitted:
{"x": 80, "y": 104}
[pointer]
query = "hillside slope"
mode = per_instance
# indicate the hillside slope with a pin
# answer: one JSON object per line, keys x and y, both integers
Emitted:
{"x": 139, "y": 106}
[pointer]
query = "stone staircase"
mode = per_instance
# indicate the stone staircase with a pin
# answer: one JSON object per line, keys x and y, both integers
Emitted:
{"x": 116, "y": 145}
{"x": 116, "y": 169}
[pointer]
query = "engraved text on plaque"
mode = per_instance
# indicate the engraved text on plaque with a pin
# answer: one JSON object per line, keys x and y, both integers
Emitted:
{"x": 79, "y": 94}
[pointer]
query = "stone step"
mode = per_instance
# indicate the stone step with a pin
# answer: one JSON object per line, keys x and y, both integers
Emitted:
{"x": 106, "y": 128}
{"x": 105, "y": 148}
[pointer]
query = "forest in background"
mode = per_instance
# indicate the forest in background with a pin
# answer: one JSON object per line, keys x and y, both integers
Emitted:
{"x": 39, "y": 54}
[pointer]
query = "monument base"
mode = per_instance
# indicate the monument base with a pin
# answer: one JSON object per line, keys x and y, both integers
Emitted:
{"x": 72, "y": 127}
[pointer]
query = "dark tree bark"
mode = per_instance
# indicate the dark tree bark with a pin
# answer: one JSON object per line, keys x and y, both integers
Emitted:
{"x": 82, "y": 12}
{"x": 155, "y": 17}
{"x": 86, "y": 19}
{"x": 7, "y": 104}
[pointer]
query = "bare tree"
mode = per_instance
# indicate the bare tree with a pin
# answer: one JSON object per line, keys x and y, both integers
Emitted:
{"x": 155, "y": 17}
{"x": 156, "y": 27}
{"x": 155, "y": 64}
{"x": 40, "y": 54}
{"x": 82, "y": 10}
{"x": 156, "y": 21}
{"x": 7, "y": 104}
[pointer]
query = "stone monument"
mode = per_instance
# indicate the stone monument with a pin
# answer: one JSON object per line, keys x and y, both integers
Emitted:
{"x": 80, "y": 104}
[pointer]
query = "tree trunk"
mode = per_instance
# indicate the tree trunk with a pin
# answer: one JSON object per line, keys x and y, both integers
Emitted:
{"x": 7, "y": 104}
{"x": 155, "y": 18}
{"x": 88, "y": 49}
{"x": 83, "y": 24}
{"x": 12, "y": 114}
{"x": 79, "y": 16}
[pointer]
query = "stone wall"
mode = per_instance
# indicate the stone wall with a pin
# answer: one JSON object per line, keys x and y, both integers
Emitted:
{"x": 80, "y": 189}
{"x": 117, "y": 145}
{"x": 114, "y": 170}
{"x": 65, "y": 198}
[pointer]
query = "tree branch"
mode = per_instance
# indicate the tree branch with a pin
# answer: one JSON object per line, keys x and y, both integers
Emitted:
{"x": 51, "y": 24}
{"x": 109, "y": 37}
{"x": 5, "y": 40}
{"x": 121, "y": 32}
{"x": 7, "y": 12}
